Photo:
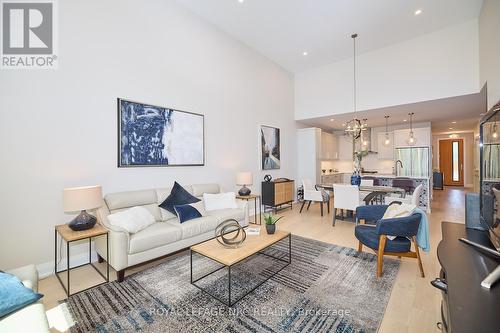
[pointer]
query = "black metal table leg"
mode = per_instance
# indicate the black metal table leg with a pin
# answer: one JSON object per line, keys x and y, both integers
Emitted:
{"x": 107, "y": 257}
{"x": 67, "y": 267}
{"x": 229, "y": 282}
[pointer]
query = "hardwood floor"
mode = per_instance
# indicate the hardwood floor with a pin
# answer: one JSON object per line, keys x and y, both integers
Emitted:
{"x": 414, "y": 305}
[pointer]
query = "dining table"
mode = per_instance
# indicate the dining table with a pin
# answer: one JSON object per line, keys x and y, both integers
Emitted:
{"x": 370, "y": 188}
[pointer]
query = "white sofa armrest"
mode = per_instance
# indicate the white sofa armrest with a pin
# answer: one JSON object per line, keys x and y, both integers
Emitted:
{"x": 243, "y": 204}
{"x": 119, "y": 240}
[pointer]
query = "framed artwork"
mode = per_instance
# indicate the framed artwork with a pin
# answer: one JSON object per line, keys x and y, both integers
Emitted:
{"x": 156, "y": 136}
{"x": 271, "y": 150}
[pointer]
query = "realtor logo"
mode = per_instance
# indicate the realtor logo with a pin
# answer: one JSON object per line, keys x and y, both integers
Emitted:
{"x": 28, "y": 34}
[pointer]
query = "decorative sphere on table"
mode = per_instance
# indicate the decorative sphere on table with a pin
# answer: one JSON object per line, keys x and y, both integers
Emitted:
{"x": 230, "y": 234}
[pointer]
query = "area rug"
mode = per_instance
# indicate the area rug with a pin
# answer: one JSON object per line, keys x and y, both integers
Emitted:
{"x": 326, "y": 288}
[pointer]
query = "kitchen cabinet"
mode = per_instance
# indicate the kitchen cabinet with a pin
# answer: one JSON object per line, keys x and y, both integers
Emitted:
{"x": 345, "y": 149}
{"x": 329, "y": 146}
{"x": 385, "y": 152}
{"x": 423, "y": 136}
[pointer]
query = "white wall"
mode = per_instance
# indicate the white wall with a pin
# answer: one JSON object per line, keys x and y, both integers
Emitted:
{"x": 489, "y": 49}
{"x": 468, "y": 154}
{"x": 441, "y": 64}
{"x": 58, "y": 128}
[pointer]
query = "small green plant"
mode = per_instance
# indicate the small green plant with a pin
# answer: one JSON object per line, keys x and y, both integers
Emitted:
{"x": 271, "y": 219}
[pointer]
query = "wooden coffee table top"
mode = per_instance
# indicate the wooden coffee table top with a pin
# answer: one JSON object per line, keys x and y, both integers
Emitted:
{"x": 227, "y": 256}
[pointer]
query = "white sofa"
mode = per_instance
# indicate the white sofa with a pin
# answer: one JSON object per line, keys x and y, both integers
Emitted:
{"x": 31, "y": 318}
{"x": 165, "y": 236}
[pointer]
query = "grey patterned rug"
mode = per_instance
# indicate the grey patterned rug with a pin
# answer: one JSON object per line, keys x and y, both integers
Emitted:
{"x": 326, "y": 288}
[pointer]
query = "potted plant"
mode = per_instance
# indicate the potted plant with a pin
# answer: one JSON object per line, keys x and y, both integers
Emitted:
{"x": 271, "y": 220}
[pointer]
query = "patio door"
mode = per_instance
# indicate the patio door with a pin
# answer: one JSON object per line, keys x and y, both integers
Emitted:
{"x": 451, "y": 161}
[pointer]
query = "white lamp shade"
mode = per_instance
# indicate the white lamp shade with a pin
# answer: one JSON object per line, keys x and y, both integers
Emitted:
{"x": 244, "y": 178}
{"x": 82, "y": 198}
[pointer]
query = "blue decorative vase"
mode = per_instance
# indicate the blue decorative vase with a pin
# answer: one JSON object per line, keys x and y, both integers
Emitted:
{"x": 355, "y": 179}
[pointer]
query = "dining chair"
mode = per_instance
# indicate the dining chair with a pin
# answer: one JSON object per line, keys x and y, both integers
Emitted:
{"x": 345, "y": 197}
{"x": 413, "y": 198}
{"x": 311, "y": 194}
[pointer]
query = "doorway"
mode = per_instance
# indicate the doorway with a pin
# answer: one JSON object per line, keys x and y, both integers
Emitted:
{"x": 451, "y": 161}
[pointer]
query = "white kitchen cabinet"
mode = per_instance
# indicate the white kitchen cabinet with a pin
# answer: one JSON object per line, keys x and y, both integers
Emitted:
{"x": 423, "y": 136}
{"x": 329, "y": 146}
{"x": 345, "y": 149}
{"x": 385, "y": 152}
{"x": 336, "y": 178}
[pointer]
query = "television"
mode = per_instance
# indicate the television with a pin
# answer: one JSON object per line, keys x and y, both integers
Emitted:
{"x": 489, "y": 191}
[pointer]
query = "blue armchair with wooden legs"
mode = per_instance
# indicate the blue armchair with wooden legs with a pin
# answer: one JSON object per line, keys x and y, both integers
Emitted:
{"x": 375, "y": 236}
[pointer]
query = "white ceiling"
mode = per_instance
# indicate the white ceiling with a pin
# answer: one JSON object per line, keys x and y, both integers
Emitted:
{"x": 465, "y": 111}
{"x": 282, "y": 29}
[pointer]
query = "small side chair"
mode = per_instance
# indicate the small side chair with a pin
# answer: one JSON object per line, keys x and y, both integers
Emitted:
{"x": 375, "y": 236}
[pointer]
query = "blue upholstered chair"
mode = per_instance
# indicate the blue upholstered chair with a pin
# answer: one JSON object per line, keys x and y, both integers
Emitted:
{"x": 375, "y": 235}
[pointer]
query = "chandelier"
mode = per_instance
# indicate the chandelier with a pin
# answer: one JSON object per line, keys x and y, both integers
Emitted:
{"x": 354, "y": 127}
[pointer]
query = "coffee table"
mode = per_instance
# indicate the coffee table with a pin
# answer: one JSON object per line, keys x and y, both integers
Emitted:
{"x": 228, "y": 257}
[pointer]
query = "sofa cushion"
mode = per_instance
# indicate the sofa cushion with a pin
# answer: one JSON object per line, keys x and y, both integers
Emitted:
{"x": 133, "y": 219}
{"x": 120, "y": 201}
{"x": 229, "y": 213}
{"x": 200, "y": 189}
{"x": 196, "y": 227}
{"x": 178, "y": 196}
{"x": 14, "y": 294}
{"x": 162, "y": 194}
{"x": 367, "y": 235}
{"x": 219, "y": 201}
{"x": 157, "y": 234}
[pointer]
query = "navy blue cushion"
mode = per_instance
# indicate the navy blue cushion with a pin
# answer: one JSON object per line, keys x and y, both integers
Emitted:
{"x": 14, "y": 295}
{"x": 178, "y": 196}
{"x": 187, "y": 212}
{"x": 368, "y": 236}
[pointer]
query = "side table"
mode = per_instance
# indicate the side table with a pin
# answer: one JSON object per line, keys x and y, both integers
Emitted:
{"x": 256, "y": 198}
{"x": 70, "y": 236}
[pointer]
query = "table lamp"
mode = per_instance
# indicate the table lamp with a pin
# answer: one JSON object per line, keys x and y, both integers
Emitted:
{"x": 80, "y": 199}
{"x": 243, "y": 179}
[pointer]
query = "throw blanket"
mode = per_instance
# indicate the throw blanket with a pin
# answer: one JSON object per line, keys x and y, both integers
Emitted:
{"x": 423, "y": 238}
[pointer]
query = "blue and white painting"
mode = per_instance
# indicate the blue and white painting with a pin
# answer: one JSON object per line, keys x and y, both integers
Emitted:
{"x": 157, "y": 136}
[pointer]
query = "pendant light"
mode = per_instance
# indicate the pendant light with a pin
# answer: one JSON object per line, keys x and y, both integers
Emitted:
{"x": 354, "y": 127}
{"x": 387, "y": 140}
{"x": 411, "y": 139}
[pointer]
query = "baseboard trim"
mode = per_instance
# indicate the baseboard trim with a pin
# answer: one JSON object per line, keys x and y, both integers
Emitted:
{"x": 46, "y": 269}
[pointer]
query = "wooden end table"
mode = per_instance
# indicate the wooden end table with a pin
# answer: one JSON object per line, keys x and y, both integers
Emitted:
{"x": 256, "y": 198}
{"x": 70, "y": 236}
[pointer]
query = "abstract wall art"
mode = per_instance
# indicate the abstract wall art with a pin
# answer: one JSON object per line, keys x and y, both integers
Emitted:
{"x": 151, "y": 135}
{"x": 271, "y": 150}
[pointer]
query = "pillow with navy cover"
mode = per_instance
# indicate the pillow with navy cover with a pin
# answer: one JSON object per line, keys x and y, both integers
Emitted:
{"x": 14, "y": 294}
{"x": 189, "y": 211}
{"x": 178, "y": 196}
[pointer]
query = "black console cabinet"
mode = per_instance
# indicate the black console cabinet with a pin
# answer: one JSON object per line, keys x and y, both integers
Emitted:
{"x": 466, "y": 306}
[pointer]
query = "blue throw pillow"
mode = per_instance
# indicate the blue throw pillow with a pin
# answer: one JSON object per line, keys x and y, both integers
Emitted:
{"x": 178, "y": 196}
{"x": 14, "y": 295}
{"x": 189, "y": 211}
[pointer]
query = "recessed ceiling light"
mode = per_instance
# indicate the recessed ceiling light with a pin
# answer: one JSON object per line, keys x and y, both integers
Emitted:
{"x": 418, "y": 12}
{"x": 453, "y": 122}
{"x": 332, "y": 119}
{"x": 241, "y": 1}
{"x": 450, "y": 128}
{"x": 404, "y": 120}
{"x": 304, "y": 53}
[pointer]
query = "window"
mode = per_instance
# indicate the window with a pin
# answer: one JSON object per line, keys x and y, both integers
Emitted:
{"x": 456, "y": 161}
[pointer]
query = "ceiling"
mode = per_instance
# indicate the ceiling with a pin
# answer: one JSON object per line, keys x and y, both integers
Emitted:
{"x": 465, "y": 111}
{"x": 282, "y": 30}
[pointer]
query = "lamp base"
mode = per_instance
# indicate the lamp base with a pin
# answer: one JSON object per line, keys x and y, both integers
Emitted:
{"x": 244, "y": 191}
{"x": 83, "y": 221}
